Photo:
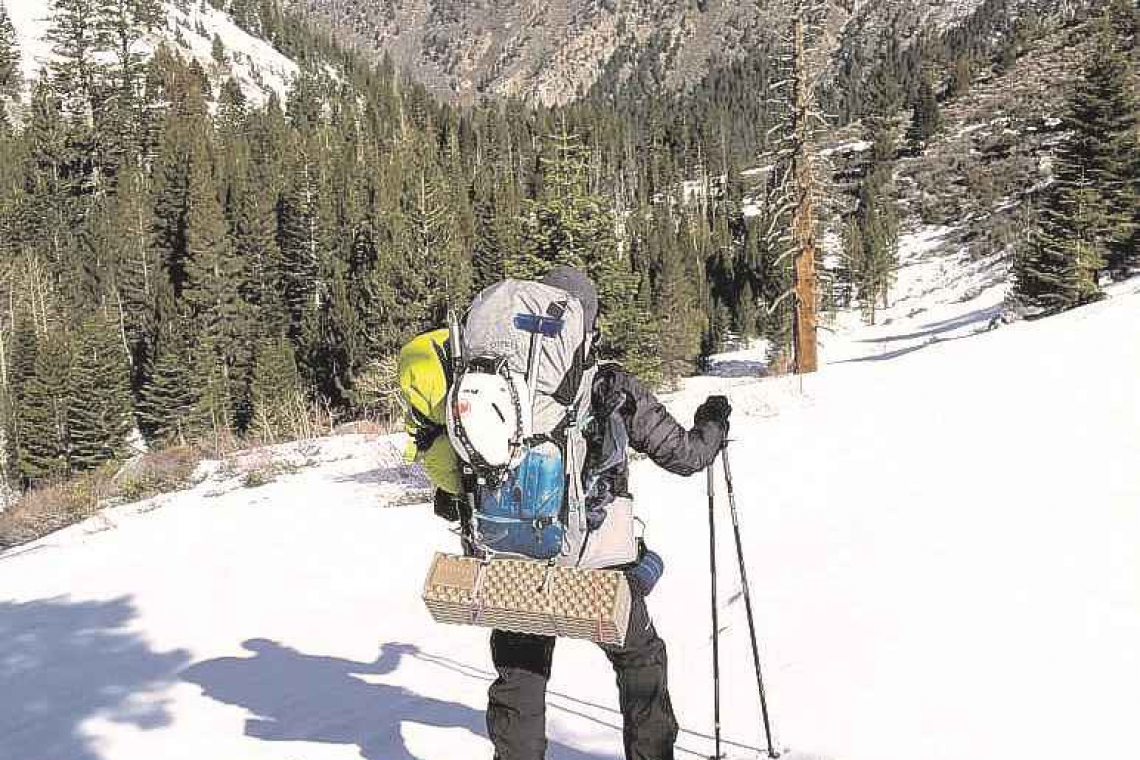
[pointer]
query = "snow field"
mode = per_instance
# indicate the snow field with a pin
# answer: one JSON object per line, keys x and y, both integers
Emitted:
{"x": 945, "y": 555}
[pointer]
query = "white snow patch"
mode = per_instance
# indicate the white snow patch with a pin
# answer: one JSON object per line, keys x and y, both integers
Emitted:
{"x": 255, "y": 63}
{"x": 858, "y": 146}
{"x": 757, "y": 171}
{"x": 967, "y": 130}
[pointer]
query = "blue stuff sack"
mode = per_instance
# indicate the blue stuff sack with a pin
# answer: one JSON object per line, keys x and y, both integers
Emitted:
{"x": 643, "y": 576}
{"x": 522, "y": 514}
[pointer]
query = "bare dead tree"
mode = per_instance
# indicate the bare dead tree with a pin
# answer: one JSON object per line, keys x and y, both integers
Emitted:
{"x": 795, "y": 189}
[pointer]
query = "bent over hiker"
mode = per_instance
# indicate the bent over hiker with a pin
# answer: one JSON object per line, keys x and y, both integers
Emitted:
{"x": 609, "y": 411}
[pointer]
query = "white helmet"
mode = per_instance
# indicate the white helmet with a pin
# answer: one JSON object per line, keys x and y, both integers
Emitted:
{"x": 490, "y": 417}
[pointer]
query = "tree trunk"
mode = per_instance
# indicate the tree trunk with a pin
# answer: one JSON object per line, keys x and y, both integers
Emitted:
{"x": 806, "y": 308}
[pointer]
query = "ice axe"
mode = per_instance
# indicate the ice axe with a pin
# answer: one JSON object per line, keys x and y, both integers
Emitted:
{"x": 772, "y": 751}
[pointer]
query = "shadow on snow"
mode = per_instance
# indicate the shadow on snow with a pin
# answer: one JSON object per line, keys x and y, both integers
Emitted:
{"x": 733, "y": 368}
{"x": 936, "y": 329}
{"x": 63, "y": 663}
{"x": 311, "y": 698}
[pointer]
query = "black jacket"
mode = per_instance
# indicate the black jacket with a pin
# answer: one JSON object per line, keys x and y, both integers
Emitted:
{"x": 649, "y": 427}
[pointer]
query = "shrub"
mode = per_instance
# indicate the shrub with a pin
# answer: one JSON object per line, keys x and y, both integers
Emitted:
{"x": 50, "y": 508}
{"x": 156, "y": 473}
{"x": 265, "y": 473}
{"x": 376, "y": 392}
{"x": 262, "y": 476}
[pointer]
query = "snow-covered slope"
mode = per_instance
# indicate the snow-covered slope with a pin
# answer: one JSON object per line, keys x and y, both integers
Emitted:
{"x": 942, "y": 538}
{"x": 254, "y": 62}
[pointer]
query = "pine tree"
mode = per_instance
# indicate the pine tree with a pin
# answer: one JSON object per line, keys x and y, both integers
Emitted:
{"x": 1102, "y": 152}
{"x": 9, "y": 58}
{"x": 211, "y": 414}
{"x": 218, "y": 50}
{"x": 570, "y": 224}
{"x": 277, "y": 391}
{"x": 765, "y": 271}
{"x": 255, "y": 237}
{"x": 873, "y": 235}
{"x": 78, "y": 78}
{"x": 48, "y": 213}
{"x": 77, "y": 40}
{"x": 927, "y": 118}
{"x": 182, "y": 144}
{"x": 43, "y": 424}
{"x": 99, "y": 408}
{"x": 303, "y": 236}
{"x": 121, "y": 26}
{"x": 372, "y": 282}
{"x": 434, "y": 275}
{"x": 676, "y": 303}
{"x": 961, "y": 77}
{"x": 135, "y": 273}
{"x": 1087, "y": 216}
{"x": 845, "y": 275}
{"x": 22, "y": 349}
{"x": 89, "y": 278}
{"x": 213, "y": 271}
{"x": 496, "y": 230}
{"x": 771, "y": 279}
{"x": 166, "y": 399}
{"x": 567, "y": 224}
{"x": 1046, "y": 277}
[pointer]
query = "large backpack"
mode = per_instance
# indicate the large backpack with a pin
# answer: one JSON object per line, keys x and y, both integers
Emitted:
{"x": 518, "y": 404}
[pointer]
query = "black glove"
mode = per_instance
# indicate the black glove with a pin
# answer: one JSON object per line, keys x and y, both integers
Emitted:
{"x": 447, "y": 505}
{"x": 715, "y": 409}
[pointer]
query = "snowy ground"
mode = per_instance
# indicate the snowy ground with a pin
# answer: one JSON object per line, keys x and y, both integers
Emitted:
{"x": 943, "y": 538}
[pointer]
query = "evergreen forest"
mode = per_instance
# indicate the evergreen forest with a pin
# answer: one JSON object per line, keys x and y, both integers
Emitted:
{"x": 182, "y": 264}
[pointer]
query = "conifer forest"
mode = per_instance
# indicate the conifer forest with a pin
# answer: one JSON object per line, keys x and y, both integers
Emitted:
{"x": 182, "y": 263}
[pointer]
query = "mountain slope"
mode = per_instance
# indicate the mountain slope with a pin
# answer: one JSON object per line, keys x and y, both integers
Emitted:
{"x": 940, "y": 531}
{"x": 259, "y": 68}
{"x": 552, "y": 52}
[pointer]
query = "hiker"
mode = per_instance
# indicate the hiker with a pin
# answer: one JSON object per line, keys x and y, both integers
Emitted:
{"x": 623, "y": 414}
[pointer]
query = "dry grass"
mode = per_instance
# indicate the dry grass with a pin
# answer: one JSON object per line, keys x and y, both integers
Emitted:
{"x": 157, "y": 473}
{"x": 49, "y": 508}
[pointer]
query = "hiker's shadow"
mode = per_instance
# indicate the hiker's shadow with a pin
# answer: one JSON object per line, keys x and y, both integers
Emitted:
{"x": 310, "y": 698}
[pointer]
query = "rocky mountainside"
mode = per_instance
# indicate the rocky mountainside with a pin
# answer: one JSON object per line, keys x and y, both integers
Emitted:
{"x": 973, "y": 185}
{"x": 551, "y": 51}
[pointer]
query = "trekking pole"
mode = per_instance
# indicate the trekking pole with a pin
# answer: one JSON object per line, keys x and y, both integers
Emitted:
{"x": 772, "y": 751}
{"x": 715, "y": 622}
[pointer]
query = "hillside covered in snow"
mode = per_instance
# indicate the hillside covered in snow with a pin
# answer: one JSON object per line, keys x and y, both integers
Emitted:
{"x": 189, "y": 28}
{"x": 941, "y": 535}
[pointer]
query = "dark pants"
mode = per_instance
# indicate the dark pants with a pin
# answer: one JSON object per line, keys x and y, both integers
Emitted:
{"x": 516, "y": 710}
